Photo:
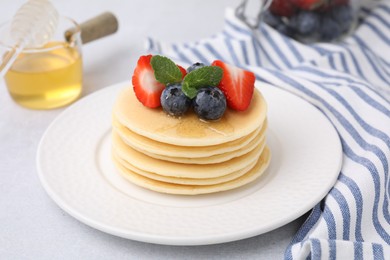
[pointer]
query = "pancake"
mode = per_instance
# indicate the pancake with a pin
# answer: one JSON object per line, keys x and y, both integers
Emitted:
{"x": 143, "y": 143}
{"x": 188, "y": 130}
{"x": 165, "y": 168}
{"x": 218, "y": 158}
{"x": 186, "y": 155}
{"x": 184, "y": 181}
{"x": 171, "y": 188}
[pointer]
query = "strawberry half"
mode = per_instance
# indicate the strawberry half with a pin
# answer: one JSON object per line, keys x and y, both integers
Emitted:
{"x": 237, "y": 85}
{"x": 146, "y": 88}
{"x": 182, "y": 70}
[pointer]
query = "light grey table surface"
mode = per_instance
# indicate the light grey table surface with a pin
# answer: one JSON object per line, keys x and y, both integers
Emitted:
{"x": 32, "y": 225}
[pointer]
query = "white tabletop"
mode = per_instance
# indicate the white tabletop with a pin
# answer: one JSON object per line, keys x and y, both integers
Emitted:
{"x": 32, "y": 225}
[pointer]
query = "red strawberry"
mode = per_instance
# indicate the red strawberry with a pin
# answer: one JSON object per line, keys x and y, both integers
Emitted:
{"x": 308, "y": 4}
{"x": 183, "y": 71}
{"x": 282, "y": 8}
{"x": 147, "y": 89}
{"x": 237, "y": 85}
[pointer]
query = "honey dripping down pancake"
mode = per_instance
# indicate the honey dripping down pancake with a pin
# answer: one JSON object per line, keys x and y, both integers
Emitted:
{"x": 188, "y": 132}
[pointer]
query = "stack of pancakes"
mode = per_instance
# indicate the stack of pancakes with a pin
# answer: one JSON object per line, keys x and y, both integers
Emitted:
{"x": 187, "y": 155}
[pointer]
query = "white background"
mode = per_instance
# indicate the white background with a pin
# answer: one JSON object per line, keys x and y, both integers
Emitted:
{"x": 32, "y": 226}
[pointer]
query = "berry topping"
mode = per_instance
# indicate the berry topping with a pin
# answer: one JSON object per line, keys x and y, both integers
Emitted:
{"x": 165, "y": 70}
{"x": 271, "y": 19}
{"x": 182, "y": 70}
{"x": 173, "y": 100}
{"x": 195, "y": 66}
{"x": 308, "y": 4}
{"x": 237, "y": 85}
{"x": 158, "y": 81}
{"x": 329, "y": 30}
{"x": 306, "y": 22}
{"x": 277, "y": 23}
{"x": 201, "y": 77}
{"x": 282, "y": 8}
{"x": 209, "y": 103}
{"x": 311, "y": 20}
{"x": 285, "y": 29}
{"x": 147, "y": 89}
{"x": 343, "y": 15}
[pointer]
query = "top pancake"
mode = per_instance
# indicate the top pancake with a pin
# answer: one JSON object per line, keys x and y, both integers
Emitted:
{"x": 188, "y": 130}
{"x": 139, "y": 142}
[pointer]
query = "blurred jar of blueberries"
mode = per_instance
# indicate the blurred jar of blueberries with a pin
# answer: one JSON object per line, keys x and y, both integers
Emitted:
{"x": 313, "y": 20}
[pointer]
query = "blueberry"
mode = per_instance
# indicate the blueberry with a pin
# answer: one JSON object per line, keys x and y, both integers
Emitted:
{"x": 271, "y": 19}
{"x": 330, "y": 29}
{"x": 195, "y": 66}
{"x": 209, "y": 103}
{"x": 305, "y": 22}
{"x": 343, "y": 15}
{"x": 173, "y": 100}
{"x": 285, "y": 29}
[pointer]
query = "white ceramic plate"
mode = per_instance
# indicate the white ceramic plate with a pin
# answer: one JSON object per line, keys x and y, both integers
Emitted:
{"x": 75, "y": 168}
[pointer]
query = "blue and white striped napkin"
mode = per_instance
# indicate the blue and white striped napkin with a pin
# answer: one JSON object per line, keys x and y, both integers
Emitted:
{"x": 350, "y": 83}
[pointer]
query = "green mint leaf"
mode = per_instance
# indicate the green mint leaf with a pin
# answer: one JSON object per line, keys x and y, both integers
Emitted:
{"x": 202, "y": 77}
{"x": 188, "y": 90}
{"x": 165, "y": 70}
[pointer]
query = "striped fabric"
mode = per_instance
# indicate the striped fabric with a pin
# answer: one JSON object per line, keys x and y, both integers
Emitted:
{"x": 350, "y": 83}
